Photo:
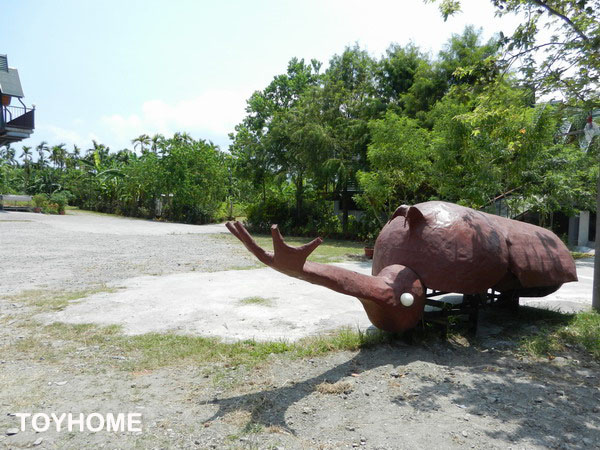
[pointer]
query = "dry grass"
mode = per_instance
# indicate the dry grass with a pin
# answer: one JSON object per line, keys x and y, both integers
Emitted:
{"x": 341, "y": 387}
{"x": 239, "y": 418}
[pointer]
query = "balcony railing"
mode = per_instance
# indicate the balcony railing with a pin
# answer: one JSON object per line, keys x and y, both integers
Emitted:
{"x": 17, "y": 117}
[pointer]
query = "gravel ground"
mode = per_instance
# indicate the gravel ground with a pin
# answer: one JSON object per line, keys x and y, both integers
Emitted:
{"x": 429, "y": 395}
{"x": 82, "y": 250}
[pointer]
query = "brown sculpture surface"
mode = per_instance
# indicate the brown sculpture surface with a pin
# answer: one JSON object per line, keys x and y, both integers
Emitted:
{"x": 435, "y": 245}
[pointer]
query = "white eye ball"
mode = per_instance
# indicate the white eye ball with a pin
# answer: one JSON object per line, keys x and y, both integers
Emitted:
{"x": 407, "y": 299}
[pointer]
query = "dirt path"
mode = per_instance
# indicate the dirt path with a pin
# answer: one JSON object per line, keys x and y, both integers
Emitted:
{"x": 433, "y": 394}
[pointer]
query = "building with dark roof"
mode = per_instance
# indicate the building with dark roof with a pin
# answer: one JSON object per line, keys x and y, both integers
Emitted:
{"x": 16, "y": 121}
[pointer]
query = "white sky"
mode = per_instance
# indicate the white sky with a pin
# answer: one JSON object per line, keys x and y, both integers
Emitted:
{"x": 112, "y": 70}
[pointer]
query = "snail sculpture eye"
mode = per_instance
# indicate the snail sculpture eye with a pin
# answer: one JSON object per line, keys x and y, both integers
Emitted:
{"x": 407, "y": 299}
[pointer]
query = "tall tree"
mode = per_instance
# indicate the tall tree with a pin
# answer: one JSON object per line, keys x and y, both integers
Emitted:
{"x": 350, "y": 101}
{"x": 262, "y": 145}
{"x": 396, "y": 73}
{"x": 143, "y": 141}
{"x": 41, "y": 149}
{"x": 26, "y": 155}
{"x": 57, "y": 155}
{"x": 568, "y": 62}
{"x": 400, "y": 164}
{"x": 156, "y": 142}
{"x": 8, "y": 154}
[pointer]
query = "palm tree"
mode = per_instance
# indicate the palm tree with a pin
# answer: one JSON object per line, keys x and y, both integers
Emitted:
{"x": 26, "y": 154}
{"x": 157, "y": 140}
{"x": 124, "y": 156}
{"x": 143, "y": 140}
{"x": 72, "y": 159}
{"x": 9, "y": 155}
{"x": 57, "y": 155}
{"x": 4, "y": 150}
{"x": 42, "y": 148}
{"x": 97, "y": 154}
{"x": 183, "y": 137}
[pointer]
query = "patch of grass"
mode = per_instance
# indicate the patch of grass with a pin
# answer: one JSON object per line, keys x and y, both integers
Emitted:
{"x": 237, "y": 417}
{"x": 253, "y": 427}
{"x": 253, "y": 265}
{"x": 45, "y": 301}
{"x": 242, "y": 420}
{"x": 256, "y": 300}
{"x": 8, "y": 318}
{"x": 555, "y": 332}
{"x": 581, "y": 255}
{"x": 331, "y": 250}
{"x": 342, "y": 339}
{"x": 86, "y": 333}
{"x": 154, "y": 350}
{"x": 341, "y": 387}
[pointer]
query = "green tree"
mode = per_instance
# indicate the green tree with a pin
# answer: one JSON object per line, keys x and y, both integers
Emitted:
{"x": 58, "y": 155}
{"x": 8, "y": 154}
{"x": 26, "y": 155}
{"x": 143, "y": 141}
{"x": 491, "y": 144}
{"x": 568, "y": 62}
{"x": 396, "y": 73}
{"x": 156, "y": 142}
{"x": 350, "y": 100}
{"x": 400, "y": 166}
{"x": 42, "y": 149}
{"x": 262, "y": 144}
{"x": 194, "y": 173}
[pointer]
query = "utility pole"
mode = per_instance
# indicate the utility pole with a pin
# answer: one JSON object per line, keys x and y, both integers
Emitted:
{"x": 596, "y": 288}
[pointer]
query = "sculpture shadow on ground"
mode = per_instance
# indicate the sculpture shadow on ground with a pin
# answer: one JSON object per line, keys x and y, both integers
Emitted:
{"x": 538, "y": 399}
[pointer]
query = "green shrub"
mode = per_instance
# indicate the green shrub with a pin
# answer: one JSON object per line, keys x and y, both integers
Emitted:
{"x": 60, "y": 199}
{"x": 315, "y": 218}
{"x": 51, "y": 208}
{"x": 260, "y": 216}
{"x": 367, "y": 228}
{"x": 40, "y": 200}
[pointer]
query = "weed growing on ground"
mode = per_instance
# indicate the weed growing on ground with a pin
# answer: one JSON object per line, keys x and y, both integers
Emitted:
{"x": 154, "y": 350}
{"x": 545, "y": 333}
{"x": 540, "y": 333}
{"x": 46, "y": 301}
{"x": 581, "y": 330}
{"x": 341, "y": 387}
{"x": 256, "y": 300}
{"x": 581, "y": 255}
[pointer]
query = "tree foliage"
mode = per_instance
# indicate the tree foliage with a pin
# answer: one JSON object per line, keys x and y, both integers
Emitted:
{"x": 406, "y": 128}
{"x": 566, "y": 60}
{"x": 378, "y": 132}
{"x": 189, "y": 177}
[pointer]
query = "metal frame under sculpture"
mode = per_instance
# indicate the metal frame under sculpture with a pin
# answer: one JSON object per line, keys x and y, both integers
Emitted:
{"x": 438, "y": 246}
